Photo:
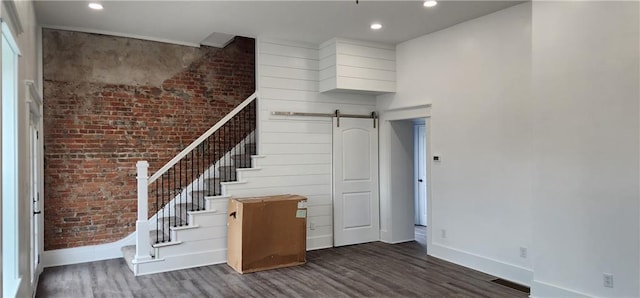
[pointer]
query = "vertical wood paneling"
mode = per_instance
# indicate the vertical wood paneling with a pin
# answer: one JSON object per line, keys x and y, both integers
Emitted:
{"x": 298, "y": 149}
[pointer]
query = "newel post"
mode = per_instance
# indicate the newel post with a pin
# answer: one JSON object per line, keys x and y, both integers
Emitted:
{"x": 142, "y": 225}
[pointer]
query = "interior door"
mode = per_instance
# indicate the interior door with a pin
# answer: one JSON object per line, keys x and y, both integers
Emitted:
{"x": 355, "y": 181}
{"x": 421, "y": 175}
{"x": 36, "y": 217}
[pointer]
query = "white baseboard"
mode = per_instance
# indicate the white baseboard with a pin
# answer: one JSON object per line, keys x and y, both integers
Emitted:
{"x": 398, "y": 241}
{"x": 497, "y": 268}
{"x": 84, "y": 254}
{"x": 544, "y": 290}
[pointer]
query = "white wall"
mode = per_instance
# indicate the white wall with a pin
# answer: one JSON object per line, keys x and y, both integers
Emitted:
{"x": 27, "y": 68}
{"x": 586, "y": 90}
{"x": 297, "y": 150}
{"x": 476, "y": 77}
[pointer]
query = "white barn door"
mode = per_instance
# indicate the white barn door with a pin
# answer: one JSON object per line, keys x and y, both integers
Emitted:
{"x": 356, "y": 217}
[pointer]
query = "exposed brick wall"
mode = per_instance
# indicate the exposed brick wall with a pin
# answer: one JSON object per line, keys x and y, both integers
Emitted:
{"x": 95, "y": 131}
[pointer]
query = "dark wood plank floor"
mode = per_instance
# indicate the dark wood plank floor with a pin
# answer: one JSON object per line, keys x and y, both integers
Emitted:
{"x": 367, "y": 270}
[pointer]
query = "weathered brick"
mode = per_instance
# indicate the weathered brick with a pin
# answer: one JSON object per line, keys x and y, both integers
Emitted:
{"x": 95, "y": 132}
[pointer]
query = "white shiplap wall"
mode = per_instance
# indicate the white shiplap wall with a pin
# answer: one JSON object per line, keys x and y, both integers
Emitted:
{"x": 357, "y": 66}
{"x": 297, "y": 150}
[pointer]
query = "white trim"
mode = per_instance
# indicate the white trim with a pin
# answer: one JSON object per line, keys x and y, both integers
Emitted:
{"x": 39, "y": 56}
{"x": 422, "y": 111}
{"x": 189, "y": 227}
{"x": 163, "y": 244}
{"x": 201, "y": 139}
{"x": 84, "y": 254}
{"x": 6, "y": 32}
{"x": 398, "y": 241}
{"x": 34, "y": 99}
{"x": 118, "y": 34}
{"x": 257, "y": 75}
{"x": 33, "y": 91}
{"x": 210, "y": 211}
{"x": 13, "y": 16}
{"x": 514, "y": 273}
{"x": 543, "y": 289}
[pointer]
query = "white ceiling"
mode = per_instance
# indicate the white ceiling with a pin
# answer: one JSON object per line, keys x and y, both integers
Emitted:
{"x": 191, "y": 22}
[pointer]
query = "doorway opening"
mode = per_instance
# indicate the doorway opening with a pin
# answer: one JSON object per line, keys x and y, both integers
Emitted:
{"x": 409, "y": 181}
{"x": 420, "y": 181}
{"x": 398, "y": 177}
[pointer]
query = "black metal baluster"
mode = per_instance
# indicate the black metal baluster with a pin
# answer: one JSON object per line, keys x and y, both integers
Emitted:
{"x": 179, "y": 199}
{"x": 172, "y": 198}
{"x": 216, "y": 152}
{"x": 184, "y": 186}
{"x": 206, "y": 172}
{"x": 236, "y": 141}
{"x": 200, "y": 161}
{"x": 157, "y": 208}
{"x": 169, "y": 197}
{"x": 182, "y": 190}
{"x": 192, "y": 179}
{"x": 183, "y": 199}
{"x": 243, "y": 133}
{"x": 231, "y": 145}
{"x": 226, "y": 145}
{"x": 162, "y": 209}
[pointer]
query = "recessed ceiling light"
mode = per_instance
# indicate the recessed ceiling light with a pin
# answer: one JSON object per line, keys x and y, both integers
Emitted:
{"x": 96, "y": 6}
{"x": 376, "y": 26}
{"x": 430, "y": 3}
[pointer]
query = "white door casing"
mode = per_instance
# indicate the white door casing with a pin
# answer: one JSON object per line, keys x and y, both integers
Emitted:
{"x": 34, "y": 101}
{"x": 355, "y": 181}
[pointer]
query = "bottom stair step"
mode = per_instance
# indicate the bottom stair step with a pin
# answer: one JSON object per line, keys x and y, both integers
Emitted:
{"x": 129, "y": 252}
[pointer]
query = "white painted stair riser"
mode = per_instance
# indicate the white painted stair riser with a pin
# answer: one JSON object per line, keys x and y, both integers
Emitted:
{"x": 191, "y": 247}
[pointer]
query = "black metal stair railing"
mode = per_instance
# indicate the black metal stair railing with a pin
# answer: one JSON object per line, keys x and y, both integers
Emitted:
{"x": 229, "y": 147}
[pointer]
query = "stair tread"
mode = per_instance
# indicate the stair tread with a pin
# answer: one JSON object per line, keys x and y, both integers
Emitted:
{"x": 204, "y": 193}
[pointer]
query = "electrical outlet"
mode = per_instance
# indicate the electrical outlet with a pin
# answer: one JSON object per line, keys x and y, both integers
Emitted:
{"x": 607, "y": 280}
{"x": 443, "y": 233}
{"x": 523, "y": 252}
{"x": 312, "y": 226}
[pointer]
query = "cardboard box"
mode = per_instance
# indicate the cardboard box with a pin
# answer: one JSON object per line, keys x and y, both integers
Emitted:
{"x": 266, "y": 232}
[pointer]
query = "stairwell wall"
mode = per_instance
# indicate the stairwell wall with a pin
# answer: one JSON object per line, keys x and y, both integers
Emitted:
{"x": 111, "y": 101}
{"x": 297, "y": 149}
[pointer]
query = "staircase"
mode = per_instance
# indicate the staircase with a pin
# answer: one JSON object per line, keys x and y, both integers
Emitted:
{"x": 187, "y": 198}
